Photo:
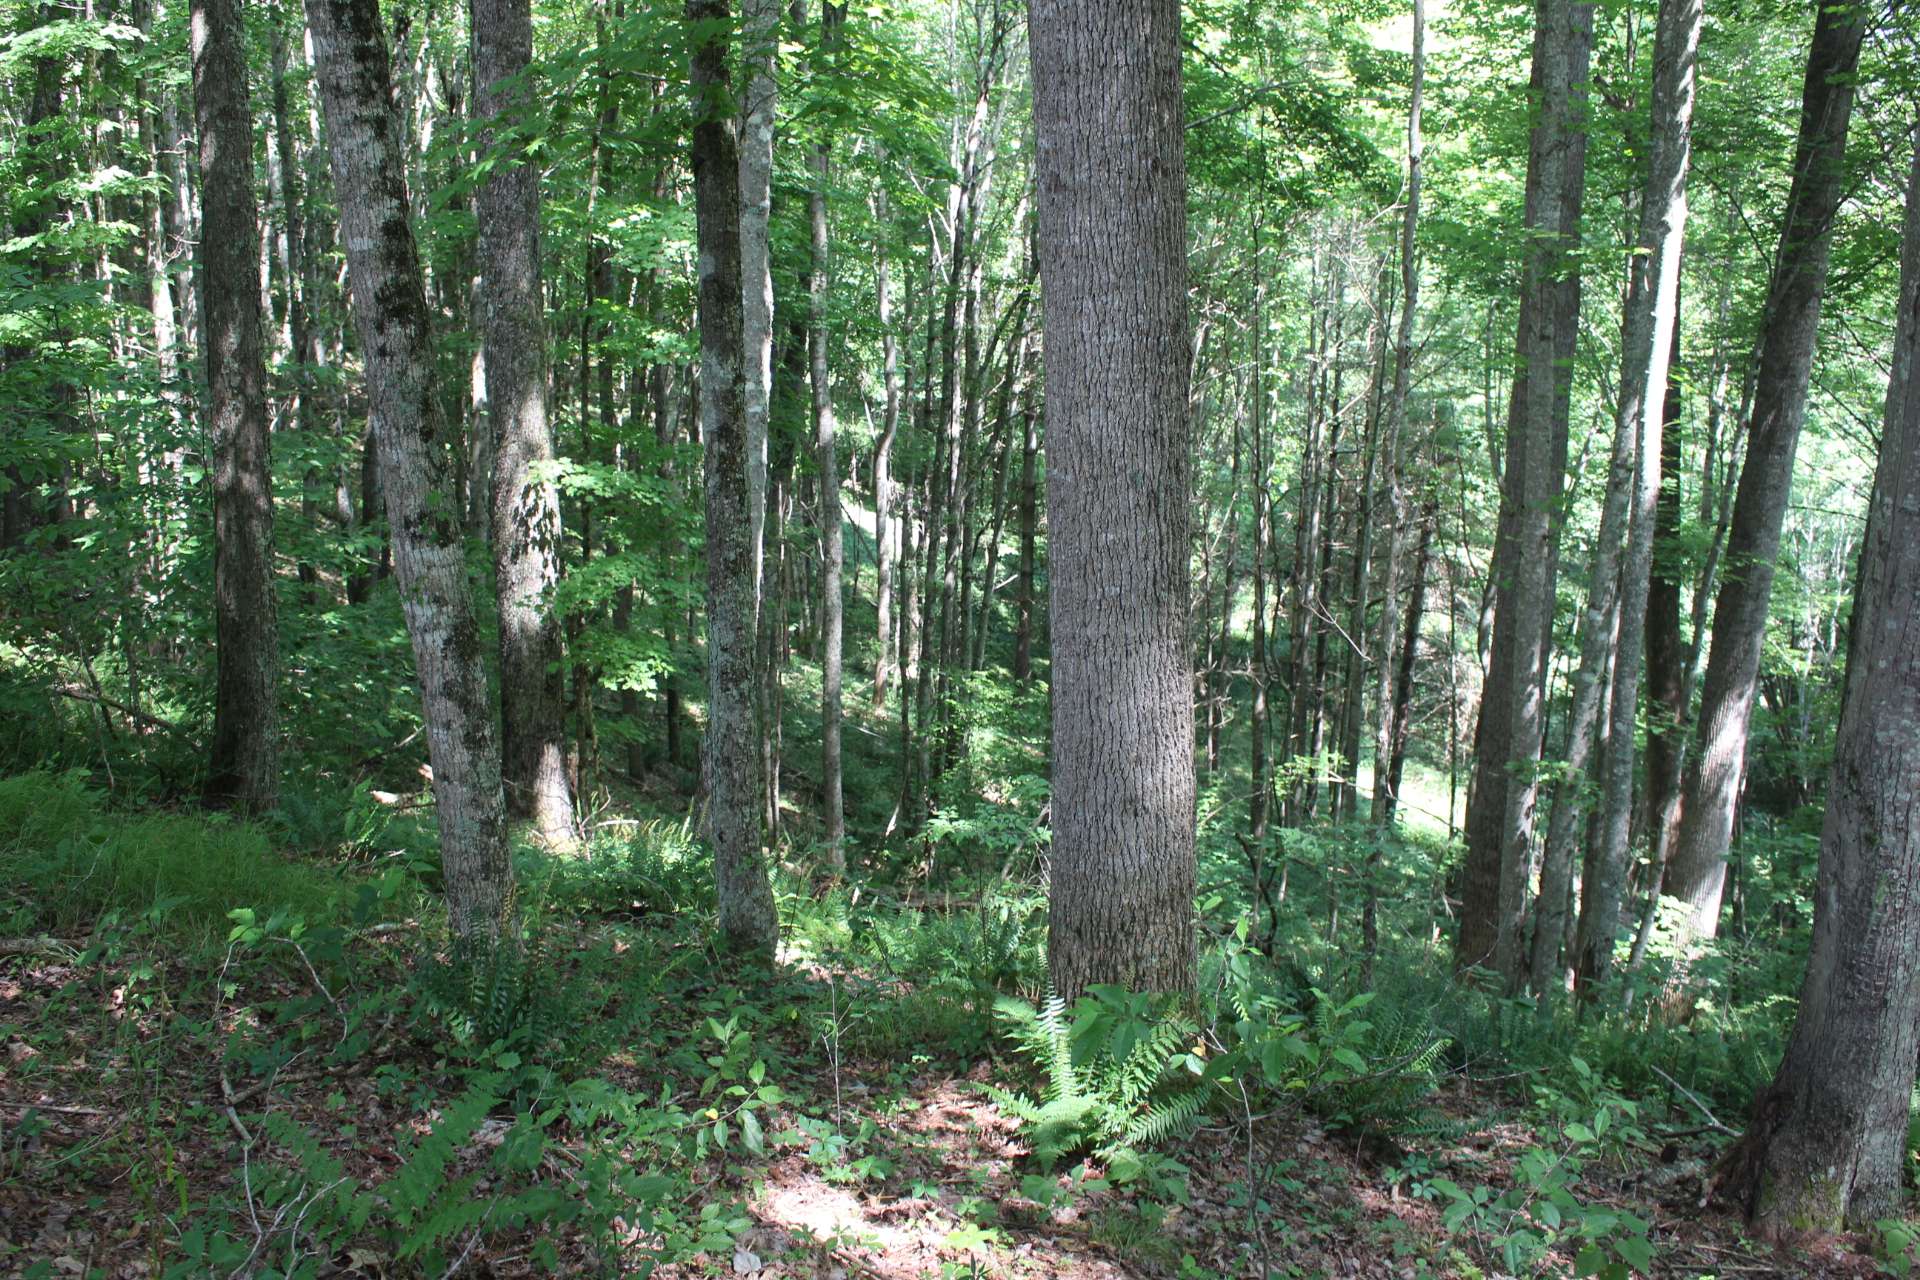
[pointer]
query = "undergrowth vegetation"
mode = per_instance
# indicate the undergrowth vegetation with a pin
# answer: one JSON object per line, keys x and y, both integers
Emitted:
{"x": 349, "y": 1088}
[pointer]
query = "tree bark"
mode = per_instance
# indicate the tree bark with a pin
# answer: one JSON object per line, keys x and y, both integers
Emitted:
{"x": 1500, "y": 804}
{"x": 526, "y": 505}
{"x": 1385, "y": 775}
{"x": 832, "y": 554}
{"x": 883, "y": 514}
{"x": 1826, "y": 1146}
{"x": 1645, "y": 406}
{"x": 1112, "y": 248}
{"x": 244, "y": 767}
{"x": 760, "y": 33}
{"x": 390, "y": 309}
{"x": 747, "y": 917}
{"x": 1696, "y": 871}
{"x": 1029, "y": 548}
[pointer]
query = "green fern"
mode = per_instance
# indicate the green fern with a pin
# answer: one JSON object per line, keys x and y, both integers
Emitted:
{"x": 1112, "y": 1091}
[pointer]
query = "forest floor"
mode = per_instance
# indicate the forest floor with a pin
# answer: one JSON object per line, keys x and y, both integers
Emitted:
{"x": 115, "y": 1138}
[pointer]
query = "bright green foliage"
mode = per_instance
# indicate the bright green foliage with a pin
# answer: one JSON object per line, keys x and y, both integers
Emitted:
{"x": 1122, "y": 1073}
{"x": 68, "y": 861}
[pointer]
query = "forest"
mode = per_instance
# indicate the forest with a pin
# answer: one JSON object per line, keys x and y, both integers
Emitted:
{"x": 959, "y": 639}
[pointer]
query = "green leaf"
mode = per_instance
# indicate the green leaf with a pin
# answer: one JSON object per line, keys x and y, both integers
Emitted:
{"x": 750, "y": 1135}
{"x": 1635, "y": 1252}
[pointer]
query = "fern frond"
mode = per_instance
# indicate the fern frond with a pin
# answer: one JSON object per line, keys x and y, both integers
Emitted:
{"x": 1165, "y": 1119}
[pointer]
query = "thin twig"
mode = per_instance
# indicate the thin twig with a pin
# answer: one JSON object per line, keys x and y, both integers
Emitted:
{"x": 1694, "y": 1098}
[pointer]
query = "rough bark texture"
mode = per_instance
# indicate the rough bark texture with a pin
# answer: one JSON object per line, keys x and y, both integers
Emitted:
{"x": 1500, "y": 807}
{"x": 244, "y": 768}
{"x": 747, "y": 917}
{"x": 1826, "y": 1144}
{"x": 390, "y": 310}
{"x": 1112, "y": 247}
{"x": 526, "y": 505}
{"x": 1697, "y": 869}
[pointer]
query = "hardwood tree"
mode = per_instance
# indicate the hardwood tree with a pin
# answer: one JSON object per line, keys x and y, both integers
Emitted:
{"x": 1507, "y": 741}
{"x": 1826, "y": 1144}
{"x": 1111, "y": 238}
{"x": 526, "y": 504}
{"x": 1696, "y": 870}
{"x": 747, "y": 917}
{"x": 1650, "y": 333}
{"x": 832, "y": 554}
{"x": 244, "y": 768}
{"x": 365, "y": 144}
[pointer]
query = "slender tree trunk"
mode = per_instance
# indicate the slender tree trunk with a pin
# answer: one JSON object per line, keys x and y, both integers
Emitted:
{"x": 883, "y": 517}
{"x": 526, "y": 505}
{"x": 1410, "y": 647}
{"x": 1113, "y": 263}
{"x": 1257, "y": 658}
{"x": 1029, "y": 540}
{"x": 244, "y": 768}
{"x": 1648, "y": 344}
{"x": 1826, "y": 1146}
{"x": 390, "y": 308}
{"x": 747, "y": 916}
{"x": 760, "y": 34}
{"x": 832, "y": 555}
{"x": 1353, "y": 687}
{"x": 1385, "y": 775}
{"x": 1696, "y": 871}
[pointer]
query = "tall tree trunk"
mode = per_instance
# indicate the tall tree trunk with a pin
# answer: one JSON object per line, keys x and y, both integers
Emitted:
{"x": 1826, "y": 1147}
{"x": 1029, "y": 549}
{"x": 1410, "y": 648}
{"x": 244, "y": 768}
{"x": 1259, "y": 787}
{"x": 1385, "y": 778}
{"x": 1665, "y": 664}
{"x": 747, "y": 916}
{"x": 1500, "y": 803}
{"x": 883, "y": 515}
{"x": 1697, "y": 869}
{"x": 760, "y": 35}
{"x": 1113, "y": 263}
{"x": 390, "y": 309}
{"x": 1647, "y": 404}
{"x": 832, "y": 554}
{"x": 526, "y": 505}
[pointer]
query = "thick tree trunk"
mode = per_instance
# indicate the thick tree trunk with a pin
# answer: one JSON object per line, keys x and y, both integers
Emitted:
{"x": 747, "y": 916}
{"x": 1826, "y": 1147}
{"x": 832, "y": 554}
{"x": 1113, "y": 264}
{"x": 526, "y": 505}
{"x": 1500, "y": 805}
{"x": 244, "y": 768}
{"x": 1696, "y": 871}
{"x": 390, "y": 309}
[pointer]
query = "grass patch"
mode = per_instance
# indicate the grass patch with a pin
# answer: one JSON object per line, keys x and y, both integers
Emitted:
{"x": 66, "y": 860}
